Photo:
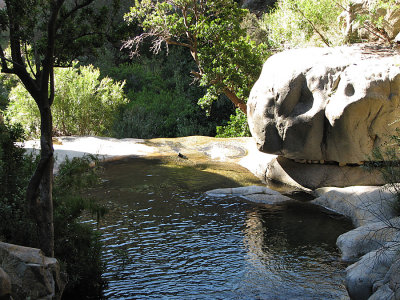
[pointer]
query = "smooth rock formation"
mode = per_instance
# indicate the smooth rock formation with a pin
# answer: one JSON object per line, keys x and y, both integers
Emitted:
{"x": 326, "y": 104}
{"x": 32, "y": 275}
{"x": 372, "y": 236}
{"x": 362, "y": 204}
{"x": 257, "y": 194}
{"x": 367, "y": 276}
{"x": 315, "y": 175}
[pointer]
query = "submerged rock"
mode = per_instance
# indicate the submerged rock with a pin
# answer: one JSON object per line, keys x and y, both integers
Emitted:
{"x": 257, "y": 194}
{"x": 326, "y": 104}
{"x": 32, "y": 275}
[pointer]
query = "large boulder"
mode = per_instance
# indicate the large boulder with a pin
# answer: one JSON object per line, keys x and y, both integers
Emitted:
{"x": 31, "y": 274}
{"x": 326, "y": 104}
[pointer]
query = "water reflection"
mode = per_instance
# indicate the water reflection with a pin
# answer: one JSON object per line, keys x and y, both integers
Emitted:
{"x": 293, "y": 245}
{"x": 166, "y": 240}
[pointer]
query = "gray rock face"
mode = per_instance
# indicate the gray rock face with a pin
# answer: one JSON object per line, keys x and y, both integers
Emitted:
{"x": 323, "y": 104}
{"x": 32, "y": 275}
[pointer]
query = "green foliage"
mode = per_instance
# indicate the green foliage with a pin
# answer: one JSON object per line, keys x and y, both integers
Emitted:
{"x": 162, "y": 100}
{"x": 77, "y": 245}
{"x": 84, "y": 104}
{"x": 227, "y": 61}
{"x": 303, "y": 23}
{"x": 237, "y": 126}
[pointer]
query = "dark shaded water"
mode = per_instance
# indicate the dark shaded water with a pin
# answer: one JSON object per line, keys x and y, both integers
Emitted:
{"x": 166, "y": 240}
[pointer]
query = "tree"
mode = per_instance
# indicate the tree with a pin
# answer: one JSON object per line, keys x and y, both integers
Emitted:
{"x": 227, "y": 60}
{"x": 43, "y": 34}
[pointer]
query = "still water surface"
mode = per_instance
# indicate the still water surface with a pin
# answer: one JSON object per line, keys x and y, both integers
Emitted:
{"x": 164, "y": 239}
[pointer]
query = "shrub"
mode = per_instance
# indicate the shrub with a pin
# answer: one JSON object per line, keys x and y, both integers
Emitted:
{"x": 78, "y": 245}
{"x": 237, "y": 126}
{"x": 84, "y": 104}
{"x": 386, "y": 159}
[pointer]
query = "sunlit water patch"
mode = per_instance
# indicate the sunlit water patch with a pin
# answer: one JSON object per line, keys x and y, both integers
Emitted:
{"x": 164, "y": 239}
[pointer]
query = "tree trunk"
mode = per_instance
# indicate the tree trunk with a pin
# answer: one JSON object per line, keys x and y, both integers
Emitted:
{"x": 46, "y": 227}
{"x": 39, "y": 191}
{"x": 236, "y": 100}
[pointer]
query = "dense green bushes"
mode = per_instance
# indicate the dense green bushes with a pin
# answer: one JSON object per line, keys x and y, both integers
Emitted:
{"x": 77, "y": 245}
{"x": 163, "y": 100}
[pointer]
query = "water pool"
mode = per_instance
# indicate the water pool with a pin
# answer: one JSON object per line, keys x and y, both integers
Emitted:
{"x": 165, "y": 239}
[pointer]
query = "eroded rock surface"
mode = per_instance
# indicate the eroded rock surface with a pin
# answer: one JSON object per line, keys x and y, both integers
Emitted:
{"x": 324, "y": 104}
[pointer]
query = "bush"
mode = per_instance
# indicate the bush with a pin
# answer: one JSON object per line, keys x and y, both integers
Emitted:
{"x": 236, "y": 126}
{"x": 84, "y": 104}
{"x": 77, "y": 245}
{"x": 386, "y": 159}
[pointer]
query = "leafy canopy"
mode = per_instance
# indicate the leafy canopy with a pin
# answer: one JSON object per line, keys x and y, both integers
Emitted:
{"x": 227, "y": 60}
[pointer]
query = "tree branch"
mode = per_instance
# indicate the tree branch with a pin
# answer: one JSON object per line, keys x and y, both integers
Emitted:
{"x": 235, "y": 99}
